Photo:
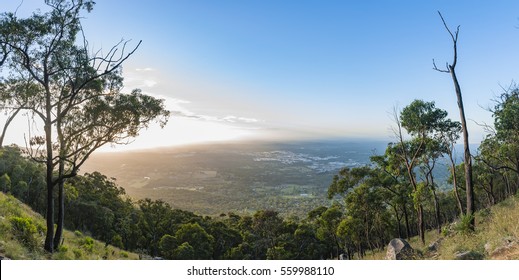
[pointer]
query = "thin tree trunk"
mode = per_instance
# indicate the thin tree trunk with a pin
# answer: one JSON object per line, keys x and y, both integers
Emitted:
{"x": 491, "y": 196}
{"x": 421, "y": 226}
{"x": 419, "y": 208}
{"x": 437, "y": 211}
{"x": 398, "y": 219}
{"x": 61, "y": 212}
{"x": 61, "y": 181}
{"x": 49, "y": 244}
{"x": 469, "y": 186}
{"x": 406, "y": 219}
{"x": 455, "y": 184}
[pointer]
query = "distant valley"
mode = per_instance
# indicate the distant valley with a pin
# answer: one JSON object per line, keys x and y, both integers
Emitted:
{"x": 242, "y": 177}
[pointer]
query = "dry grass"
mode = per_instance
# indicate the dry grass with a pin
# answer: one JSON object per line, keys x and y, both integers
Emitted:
{"x": 496, "y": 237}
{"x": 75, "y": 246}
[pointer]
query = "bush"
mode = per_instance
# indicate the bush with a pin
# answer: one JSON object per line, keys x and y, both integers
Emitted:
{"x": 117, "y": 241}
{"x": 24, "y": 230}
{"x": 77, "y": 254}
{"x": 63, "y": 248}
{"x": 62, "y": 253}
{"x": 464, "y": 225}
{"x": 88, "y": 244}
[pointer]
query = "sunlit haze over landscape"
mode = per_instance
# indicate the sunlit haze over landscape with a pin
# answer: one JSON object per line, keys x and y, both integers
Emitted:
{"x": 232, "y": 70}
{"x": 209, "y": 132}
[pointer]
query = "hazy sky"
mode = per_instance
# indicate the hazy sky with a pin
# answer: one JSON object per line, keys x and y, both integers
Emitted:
{"x": 300, "y": 69}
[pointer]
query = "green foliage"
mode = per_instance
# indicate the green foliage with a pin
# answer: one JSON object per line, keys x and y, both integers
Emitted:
{"x": 88, "y": 244}
{"x": 24, "y": 229}
{"x": 78, "y": 254}
{"x": 421, "y": 195}
{"x": 117, "y": 241}
{"x": 185, "y": 252}
{"x": 5, "y": 183}
{"x": 193, "y": 237}
{"x": 347, "y": 179}
{"x": 278, "y": 253}
{"x": 17, "y": 236}
{"x": 78, "y": 95}
{"x": 21, "y": 177}
{"x": 421, "y": 118}
{"x": 168, "y": 244}
{"x": 63, "y": 249}
{"x": 464, "y": 224}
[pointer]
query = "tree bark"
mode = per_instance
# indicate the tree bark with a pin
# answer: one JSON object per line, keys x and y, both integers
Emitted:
{"x": 437, "y": 211}
{"x": 406, "y": 218}
{"x": 469, "y": 186}
{"x": 49, "y": 244}
{"x": 61, "y": 210}
{"x": 455, "y": 184}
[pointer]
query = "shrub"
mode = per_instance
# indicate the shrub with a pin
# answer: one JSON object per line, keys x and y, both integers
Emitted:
{"x": 445, "y": 231}
{"x": 88, "y": 244}
{"x": 24, "y": 230}
{"x": 63, "y": 248}
{"x": 62, "y": 253}
{"x": 77, "y": 254}
{"x": 117, "y": 241}
{"x": 464, "y": 225}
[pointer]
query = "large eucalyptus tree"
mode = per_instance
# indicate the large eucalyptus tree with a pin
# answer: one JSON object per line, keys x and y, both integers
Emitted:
{"x": 76, "y": 95}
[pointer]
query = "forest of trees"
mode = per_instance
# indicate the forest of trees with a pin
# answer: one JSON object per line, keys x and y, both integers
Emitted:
{"x": 77, "y": 98}
{"x": 371, "y": 204}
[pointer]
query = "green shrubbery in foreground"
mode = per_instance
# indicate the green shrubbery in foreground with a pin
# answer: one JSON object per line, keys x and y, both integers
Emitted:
{"x": 22, "y": 235}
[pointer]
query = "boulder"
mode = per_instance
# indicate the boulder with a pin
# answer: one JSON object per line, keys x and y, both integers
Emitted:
{"x": 501, "y": 250}
{"x": 399, "y": 249}
{"x": 433, "y": 247}
{"x": 468, "y": 255}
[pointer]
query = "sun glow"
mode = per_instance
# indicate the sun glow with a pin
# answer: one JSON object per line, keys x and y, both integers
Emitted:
{"x": 184, "y": 131}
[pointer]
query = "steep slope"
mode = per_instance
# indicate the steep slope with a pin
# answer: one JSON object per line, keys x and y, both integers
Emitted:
{"x": 22, "y": 232}
{"x": 496, "y": 237}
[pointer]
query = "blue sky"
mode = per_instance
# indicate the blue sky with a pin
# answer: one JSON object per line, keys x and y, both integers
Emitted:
{"x": 303, "y": 69}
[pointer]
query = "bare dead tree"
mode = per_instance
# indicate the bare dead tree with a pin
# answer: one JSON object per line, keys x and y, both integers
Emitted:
{"x": 450, "y": 68}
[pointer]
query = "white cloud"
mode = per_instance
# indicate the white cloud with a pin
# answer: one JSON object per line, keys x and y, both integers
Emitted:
{"x": 147, "y": 69}
{"x": 234, "y": 119}
{"x": 178, "y": 109}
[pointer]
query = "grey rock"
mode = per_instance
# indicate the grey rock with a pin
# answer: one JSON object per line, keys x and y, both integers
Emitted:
{"x": 399, "y": 249}
{"x": 491, "y": 248}
{"x": 433, "y": 247}
{"x": 506, "y": 244}
{"x": 488, "y": 247}
{"x": 4, "y": 258}
{"x": 468, "y": 255}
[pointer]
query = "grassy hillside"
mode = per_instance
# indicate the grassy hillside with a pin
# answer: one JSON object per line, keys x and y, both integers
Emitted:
{"x": 22, "y": 233}
{"x": 496, "y": 236}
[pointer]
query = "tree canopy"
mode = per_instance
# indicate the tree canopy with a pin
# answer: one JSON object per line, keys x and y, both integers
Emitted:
{"x": 76, "y": 95}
